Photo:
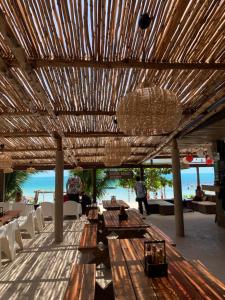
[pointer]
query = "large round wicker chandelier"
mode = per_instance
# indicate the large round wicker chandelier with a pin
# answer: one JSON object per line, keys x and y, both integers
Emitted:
{"x": 149, "y": 111}
{"x": 117, "y": 148}
{"x": 112, "y": 161}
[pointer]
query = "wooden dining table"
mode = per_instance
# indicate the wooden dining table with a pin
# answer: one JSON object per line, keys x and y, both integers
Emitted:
{"x": 134, "y": 223}
{"x": 9, "y": 216}
{"x": 184, "y": 280}
{"x": 114, "y": 205}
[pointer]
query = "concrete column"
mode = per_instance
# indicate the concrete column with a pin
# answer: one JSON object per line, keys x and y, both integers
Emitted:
{"x": 2, "y": 186}
{"x": 198, "y": 176}
{"x": 59, "y": 191}
{"x": 94, "y": 185}
{"x": 142, "y": 174}
{"x": 178, "y": 205}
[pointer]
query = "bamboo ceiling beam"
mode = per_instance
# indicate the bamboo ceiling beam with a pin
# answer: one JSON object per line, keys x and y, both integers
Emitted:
{"x": 28, "y": 71}
{"x": 87, "y": 165}
{"x": 29, "y": 149}
{"x": 66, "y": 134}
{"x": 124, "y": 64}
{"x": 58, "y": 113}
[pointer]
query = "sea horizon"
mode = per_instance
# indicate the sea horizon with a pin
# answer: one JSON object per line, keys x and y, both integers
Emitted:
{"x": 45, "y": 181}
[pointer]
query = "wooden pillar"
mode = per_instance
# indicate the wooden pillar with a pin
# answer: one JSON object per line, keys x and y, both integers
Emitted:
{"x": 94, "y": 185}
{"x": 198, "y": 176}
{"x": 59, "y": 191}
{"x": 2, "y": 186}
{"x": 178, "y": 205}
{"x": 142, "y": 173}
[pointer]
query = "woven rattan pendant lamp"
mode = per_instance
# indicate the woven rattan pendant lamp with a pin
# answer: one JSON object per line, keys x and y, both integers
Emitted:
{"x": 149, "y": 111}
{"x": 117, "y": 148}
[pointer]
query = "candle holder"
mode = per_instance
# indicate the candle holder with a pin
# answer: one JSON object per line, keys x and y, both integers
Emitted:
{"x": 123, "y": 216}
{"x": 155, "y": 258}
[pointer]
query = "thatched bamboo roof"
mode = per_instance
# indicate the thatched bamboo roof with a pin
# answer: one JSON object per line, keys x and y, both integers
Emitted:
{"x": 64, "y": 66}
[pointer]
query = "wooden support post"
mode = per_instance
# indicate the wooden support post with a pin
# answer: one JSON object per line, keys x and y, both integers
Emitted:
{"x": 59, "y": 191}
{"x": 94, "y": 185}
{"x": 2, "y": 186}
{"x": 178, "y": 205}
{"x": 142, "y": 173}
{"x": 198, "y": 176}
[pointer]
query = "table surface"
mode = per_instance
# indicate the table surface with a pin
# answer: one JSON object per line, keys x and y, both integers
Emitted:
{"x": 9, "y": 215}
{"x": 135, "y": 221}
{"x": 107, "y": 204}
{"x": 184, "y": 281}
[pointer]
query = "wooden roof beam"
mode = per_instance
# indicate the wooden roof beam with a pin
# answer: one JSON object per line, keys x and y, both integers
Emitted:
{"x": 75, "y": 148}
{"x": 94, "y": 134}
{"x": 126, "y": 63}
{"x": 58, "y": 113}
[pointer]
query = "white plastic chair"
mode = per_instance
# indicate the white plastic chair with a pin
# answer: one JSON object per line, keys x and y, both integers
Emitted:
{"x": 6, "y": 205}
{"x": 26, "y": 223}
{"x": 39, "y": 220}
{"x": 71, "y": 208}
{"x": 48, "y": 209}
{"x": 8, "y": 244}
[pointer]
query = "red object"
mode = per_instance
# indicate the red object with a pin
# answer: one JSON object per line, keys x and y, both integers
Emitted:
{"x": 189, "y": 157}
{"x": 209, "y": 161}
{"x": 65, "y": 198}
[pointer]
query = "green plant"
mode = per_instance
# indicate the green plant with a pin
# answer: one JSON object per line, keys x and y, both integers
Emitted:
{"x": 102, "y": 182}
{"x": 154, "y": 179}
{"x": 13, "y": 182}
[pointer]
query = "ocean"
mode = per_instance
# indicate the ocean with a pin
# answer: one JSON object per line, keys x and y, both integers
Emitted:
{"x": 45, "y": 181}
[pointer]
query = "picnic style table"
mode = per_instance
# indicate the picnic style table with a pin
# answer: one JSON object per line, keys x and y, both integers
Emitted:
{"x": 115, "y": 204}
{"x": 9, "y": 216}
{"x": 133, "y": 227}
{"x": 184, "y": 280}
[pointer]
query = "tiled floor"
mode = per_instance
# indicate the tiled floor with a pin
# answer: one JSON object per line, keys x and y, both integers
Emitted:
{"x": 42, "y": 269}
{"x": 203, "y": 240}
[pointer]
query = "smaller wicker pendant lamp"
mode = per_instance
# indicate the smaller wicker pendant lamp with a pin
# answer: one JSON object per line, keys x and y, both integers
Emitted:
{"x": 149, "y": 111}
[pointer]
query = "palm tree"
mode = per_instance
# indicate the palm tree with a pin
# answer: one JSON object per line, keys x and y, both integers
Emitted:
{"x": 13, "y": 183}
{"x": 102, "y": 182}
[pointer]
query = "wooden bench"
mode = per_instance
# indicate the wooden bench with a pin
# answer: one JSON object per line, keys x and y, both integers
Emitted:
{"x": 89, "y": 237}
{"x": 156, "y": 234}
{"x": 93, "y": 215}
{"x": 81, "y": 284}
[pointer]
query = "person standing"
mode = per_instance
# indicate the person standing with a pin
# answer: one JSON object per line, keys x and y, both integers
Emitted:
{"x": 141, "y": 195}
{"x": 74, "y": 188}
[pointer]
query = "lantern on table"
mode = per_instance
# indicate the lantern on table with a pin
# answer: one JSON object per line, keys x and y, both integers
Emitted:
{"x": 155, "y": 258}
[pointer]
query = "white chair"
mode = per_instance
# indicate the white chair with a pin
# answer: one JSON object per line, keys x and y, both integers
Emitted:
{"x": 26, "y": 223}
{"x": 48, "y": 209}
{"x": 18, "y": 236}
{"x": 39, "y": 220}
{"x": 8, "y": 244}
{"x": 6, "y": 205}
{"x": 71, "y": 208}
